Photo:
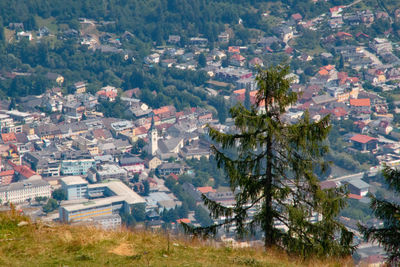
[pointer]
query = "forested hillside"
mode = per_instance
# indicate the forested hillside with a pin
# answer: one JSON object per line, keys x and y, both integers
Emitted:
{"x": 155, "y": 19}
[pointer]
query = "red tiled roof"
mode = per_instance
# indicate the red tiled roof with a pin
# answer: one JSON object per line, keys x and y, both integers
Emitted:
{"x": 329, "y": 67}
{"x": 353, "y": 196}
{"x": 342, "y": 75}
{"x": 360, "y": 138}
{"x": 297, "y": 16}
{"x": 140, "y": 130}
{"x": 323, "y": 72}
{"x": 161, "y": 110}
{"x": 24, "y": 170}
{"x": 238, "y": 57}
{"x": 8, "y": 137}
{"x": 234, "y": 49}
{"x": 289, "y": 50}
{"x": 205, "y": 189}
{"x": 362, "y": 102}
{"x": 6, "y": 173}
{"x": 362, "y": 34}
{"x": 341, "y": 34}
{"x": 339, "y": 112}
{"x": 184, "y": 220}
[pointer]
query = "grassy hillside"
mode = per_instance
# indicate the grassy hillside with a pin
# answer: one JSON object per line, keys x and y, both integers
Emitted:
{"x": 38, "y": 244}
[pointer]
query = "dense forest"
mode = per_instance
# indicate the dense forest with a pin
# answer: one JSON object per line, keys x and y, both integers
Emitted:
{"x": 154, "y": 20}
{"x": 150, "y": 23}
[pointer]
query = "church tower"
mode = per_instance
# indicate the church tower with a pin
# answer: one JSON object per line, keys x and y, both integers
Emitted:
{"x": 153, "y": 138}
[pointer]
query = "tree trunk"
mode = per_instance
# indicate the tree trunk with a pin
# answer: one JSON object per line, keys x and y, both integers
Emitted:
{"x": 268, "y": 223}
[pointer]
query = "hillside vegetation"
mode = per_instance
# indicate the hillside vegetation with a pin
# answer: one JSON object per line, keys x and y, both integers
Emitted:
{"x": 39, "y": 244}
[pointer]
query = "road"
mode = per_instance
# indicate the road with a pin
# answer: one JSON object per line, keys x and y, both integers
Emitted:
{"x": 352, "y": 4}
{"x": 373, "y": 171}
{"x": 373, "y": 57}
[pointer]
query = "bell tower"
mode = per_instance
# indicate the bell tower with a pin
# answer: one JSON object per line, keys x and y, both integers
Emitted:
{"x": 153, "y": 138}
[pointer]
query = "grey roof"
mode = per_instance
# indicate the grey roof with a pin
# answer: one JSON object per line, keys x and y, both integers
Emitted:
{"x": 24, "y": 184}
{"x": 321, "y": 99}
{"x": 358, "y": 183}
{"x": 167, "y": 145}
{"x": 74, "y": 127}
{"x": 127, "y": 160}
{"x": 169, "y": 165}
{"x": 73, "y": 180}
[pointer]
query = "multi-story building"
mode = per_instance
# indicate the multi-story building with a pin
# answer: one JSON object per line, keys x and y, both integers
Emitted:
{"x": 6, "y": 177}
{"x": 22, "y": 117}
{"x": 23, "y": 191}
{"x": 168, "y": 168}
{"x": 105, "y": 199}
{"x": 75, "y": 187}
{"x": 107, "y": 171}
{"x": 76, "y": 166}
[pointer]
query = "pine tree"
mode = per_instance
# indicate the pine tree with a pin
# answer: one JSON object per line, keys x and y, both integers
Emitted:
{"x": 271, "y": 171}
{"x": 389, "y": 212}
{"x": 247, "y": 101}
{"x": 202, "y": 61}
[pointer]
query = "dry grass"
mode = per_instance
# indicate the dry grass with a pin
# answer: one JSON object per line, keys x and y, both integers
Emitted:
{"x": 63, "y": 245}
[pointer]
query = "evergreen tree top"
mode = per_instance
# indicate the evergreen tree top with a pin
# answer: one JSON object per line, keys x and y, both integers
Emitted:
{"x": 270, "y": 165}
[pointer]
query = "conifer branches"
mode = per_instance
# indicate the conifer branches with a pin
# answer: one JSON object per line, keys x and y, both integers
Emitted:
{"x": 272, "y": 174}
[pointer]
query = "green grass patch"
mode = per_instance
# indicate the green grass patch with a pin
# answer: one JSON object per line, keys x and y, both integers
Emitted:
{"x": 37, "y": 244}
{"x": 50, "y": 23}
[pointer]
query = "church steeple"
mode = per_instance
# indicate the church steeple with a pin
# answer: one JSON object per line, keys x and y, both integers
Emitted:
{"x": 152, "y": 123}
{"x": 153, "y": 138}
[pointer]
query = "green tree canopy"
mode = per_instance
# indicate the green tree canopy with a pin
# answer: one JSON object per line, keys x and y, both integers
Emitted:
{"x": 271, "y": 171}
{"x": 388, "y": 235}
{"x": 59, "y": 194}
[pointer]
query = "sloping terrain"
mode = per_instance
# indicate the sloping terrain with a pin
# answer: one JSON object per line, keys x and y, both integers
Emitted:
{"x": 23, "y": 243}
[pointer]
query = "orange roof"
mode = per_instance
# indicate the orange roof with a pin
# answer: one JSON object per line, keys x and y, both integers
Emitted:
{"x": 140, "y": 130}
{"x": 238, "y": 57}
{"x": 323, "y": 72}
{"x": 340, "y": 34}
{"x": 161, "y": 110}
{"x": 354, "y": 196}
{"x": 342, "y": 75}
{"x": 107, "y": 94}
{"x": 184, "y": 220}
{"x": 239, "y": 91}
{"x": 234, "y": 49}
{"x": 362, "y": 102}
{"x": 206, "y": 189}
{"x": 8, "y": 172}
{"x": 360, "y": 138}
{"x": 329, "y": 67}
{"x": 353, "y": 79}
{"x": 7, "y": 137}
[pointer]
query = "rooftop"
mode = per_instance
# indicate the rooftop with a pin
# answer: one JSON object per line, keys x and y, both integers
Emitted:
{"x": 362, "y": 102}
{"x": 23, "y": 184}
{"x": 360, "y": 138}
{"x": 73, "y": 180}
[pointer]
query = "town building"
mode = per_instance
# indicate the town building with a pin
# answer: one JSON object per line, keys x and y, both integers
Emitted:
{"x": 75, "y": 187}
{"x": 25, "y": 190}
{"x": 364, "y": 143}
{"x": 104, "y": 199}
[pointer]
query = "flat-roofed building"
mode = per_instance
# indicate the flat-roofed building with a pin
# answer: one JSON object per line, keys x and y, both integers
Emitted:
{"x": 75, "y": 187}
{"x": 105, "y": 199}
{"x": 107, "y": 171}
{"x": 358, "y": 187}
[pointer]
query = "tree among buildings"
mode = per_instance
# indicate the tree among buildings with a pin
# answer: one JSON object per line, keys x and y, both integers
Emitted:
{"x": 271, "y": 170}
{"x": 388, "y": 235}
